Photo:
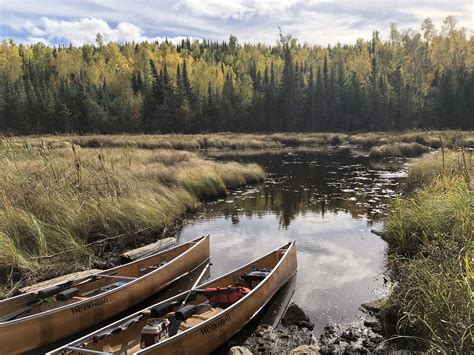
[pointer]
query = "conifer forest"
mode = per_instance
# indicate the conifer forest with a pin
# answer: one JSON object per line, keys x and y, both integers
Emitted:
{"x": 409, "y": 80}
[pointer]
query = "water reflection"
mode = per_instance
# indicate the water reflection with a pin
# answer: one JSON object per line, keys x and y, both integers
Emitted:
{"x": 327, "y": 200}
{"x": 320, "y": 181}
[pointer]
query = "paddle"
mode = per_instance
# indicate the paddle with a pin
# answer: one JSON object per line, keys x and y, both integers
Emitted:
{"x": 195, "y": 284}
{"x": 177, "y": 322}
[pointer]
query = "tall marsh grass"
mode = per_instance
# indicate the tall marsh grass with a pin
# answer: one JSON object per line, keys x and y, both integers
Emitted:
{"x": 433, "y": 139}
{"x": 70, "y": 199}
{"x": 430, "y": 235}
{"x": 398, "y": 150}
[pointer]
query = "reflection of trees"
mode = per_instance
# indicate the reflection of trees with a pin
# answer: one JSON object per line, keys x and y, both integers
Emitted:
{"x": 306, "y": 187}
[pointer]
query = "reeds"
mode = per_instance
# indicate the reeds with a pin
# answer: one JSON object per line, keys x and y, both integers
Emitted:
{"x": 398, "y": 150}
{"x": 430, "y": 233}
{"x": 433, "y": 139}
{"x": 63, "y": 199}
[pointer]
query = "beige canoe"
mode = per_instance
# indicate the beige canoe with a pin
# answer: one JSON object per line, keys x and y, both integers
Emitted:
{"x": 205, "y": 330}
{"x": 38, "y": 318}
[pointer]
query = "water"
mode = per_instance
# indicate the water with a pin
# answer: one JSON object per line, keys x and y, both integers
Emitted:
{"x": 328, "y": 201}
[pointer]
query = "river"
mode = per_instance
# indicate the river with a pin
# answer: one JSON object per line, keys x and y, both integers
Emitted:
{"x": 328, "y": 200}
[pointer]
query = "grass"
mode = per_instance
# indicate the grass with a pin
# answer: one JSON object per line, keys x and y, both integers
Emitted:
{"x": 398, "y": 150}
{"x": 96, "y": 202}
{"x": 433, "y": 139}
{"x": 430, "y": 235}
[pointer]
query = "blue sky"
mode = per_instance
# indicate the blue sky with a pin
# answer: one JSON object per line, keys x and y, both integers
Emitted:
{"x": 312, "y": 21}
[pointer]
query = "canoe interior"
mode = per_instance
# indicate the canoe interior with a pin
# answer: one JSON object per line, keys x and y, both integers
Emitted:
{"x": 125, "y": 336}
{"x": 29, "y": 304}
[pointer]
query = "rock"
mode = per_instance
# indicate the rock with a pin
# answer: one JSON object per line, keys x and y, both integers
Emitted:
{"x": 368, "y": 344}
{"x": 349, "y": 335}
{"x": 374, "y": 324}
{"x": 354, "y": 338}
{"x": 305, "y": 349}
{"x": 295, "y": 316}
{"x": 147, "y": 250}
{"x": 239, "y": 350}
{"x": 268, "y": 340}
{"x": 266, "y": 332}
{"x": 378, "y": 232}
{"x": 371, "y": 322}
{"x": 376, "y": 338}
{"x": 355, "y": 349}
{"x": 374, "y": 306}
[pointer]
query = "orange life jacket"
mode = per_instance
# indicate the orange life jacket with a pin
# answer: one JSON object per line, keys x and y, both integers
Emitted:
{"x": 226, "y": 295}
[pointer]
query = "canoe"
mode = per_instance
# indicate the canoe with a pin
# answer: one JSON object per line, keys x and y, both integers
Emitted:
{"x": 209, "y": 319}
{"x": 34, "y": 319}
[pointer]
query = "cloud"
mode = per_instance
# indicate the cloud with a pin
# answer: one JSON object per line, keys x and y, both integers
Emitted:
{"x": 34, "y": 40}
{"x": 214, "y": 8}
{"x": 312, "y": 21}
{"x": 85, "y": 30}
{"x": 464, "y": 18}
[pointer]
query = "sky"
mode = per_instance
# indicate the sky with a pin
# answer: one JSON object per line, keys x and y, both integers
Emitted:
{"x": 320, "y": 22}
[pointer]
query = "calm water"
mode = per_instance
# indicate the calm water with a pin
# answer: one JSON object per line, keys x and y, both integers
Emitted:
{"x": 328, "y": 201}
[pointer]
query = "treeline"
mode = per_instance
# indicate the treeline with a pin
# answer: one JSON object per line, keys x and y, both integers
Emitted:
{"x": 411, "y": 80}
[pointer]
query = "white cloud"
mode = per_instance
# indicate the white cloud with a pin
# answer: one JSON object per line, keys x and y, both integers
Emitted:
{"x": 85, "y": 30}
{"x": 215, "y": 8}
{"x": 464, "y": 17}
{"x": 34, "y": 40}
{"x": 313, "y": 21}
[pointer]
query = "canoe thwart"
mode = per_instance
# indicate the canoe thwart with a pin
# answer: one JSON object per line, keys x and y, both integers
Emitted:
{"x": 86, "y": 351}
{"x": 118, "y": 277}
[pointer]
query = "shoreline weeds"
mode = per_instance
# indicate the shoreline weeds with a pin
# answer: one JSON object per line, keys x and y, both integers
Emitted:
{"x": 70, "y": 209}
{"x": 240, "y": 141}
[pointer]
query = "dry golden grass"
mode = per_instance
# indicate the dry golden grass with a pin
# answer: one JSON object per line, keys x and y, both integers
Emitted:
{"x": 56, "y": 199}
{"x": 398, "y": 150}
{"x": 432, "y": 139}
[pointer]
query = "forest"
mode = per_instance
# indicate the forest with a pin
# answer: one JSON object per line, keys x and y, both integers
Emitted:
{"x": 410, "y": 80}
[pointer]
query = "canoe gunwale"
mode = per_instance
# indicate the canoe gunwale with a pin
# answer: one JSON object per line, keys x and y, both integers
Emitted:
{"x": 193, "y": 244}
{"x": 237, "y": 304}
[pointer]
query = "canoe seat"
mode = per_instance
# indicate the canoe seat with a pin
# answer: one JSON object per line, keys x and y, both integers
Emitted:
{"x": 199, "y": 318}
{"x": 254, "y": 277}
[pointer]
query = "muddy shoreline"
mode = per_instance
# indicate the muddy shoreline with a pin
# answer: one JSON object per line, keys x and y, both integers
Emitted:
{"x": 294, "y": 335}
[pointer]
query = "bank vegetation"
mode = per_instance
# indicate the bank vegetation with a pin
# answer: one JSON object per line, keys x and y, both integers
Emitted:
{"x": 430, "y": 235}
{"x": 64, "y": 208}
{"x": 239, "y": 141}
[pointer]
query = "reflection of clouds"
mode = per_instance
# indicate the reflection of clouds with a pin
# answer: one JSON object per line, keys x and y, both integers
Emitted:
{"x": 335, "y": 268}
{"x": 332, "y": 251}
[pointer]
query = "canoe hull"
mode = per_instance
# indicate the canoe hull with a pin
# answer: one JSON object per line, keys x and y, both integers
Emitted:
{"x": 210, "y": 335}
{"x": 42, "y": 329}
